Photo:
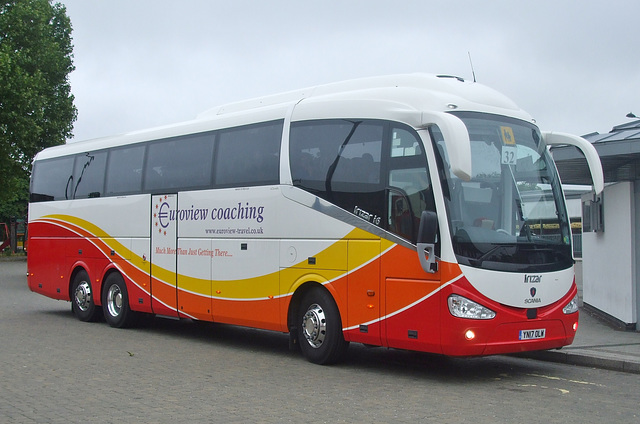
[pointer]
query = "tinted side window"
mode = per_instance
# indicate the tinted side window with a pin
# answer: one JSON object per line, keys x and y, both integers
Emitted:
{"x": 124, "y": 170}
{"x": 340, "y": 161}
{"x": 88, "y": 174}
{"x": 249, "y": 155}
{"x": 179, "y": 163}
{"x": 52, "y": 179}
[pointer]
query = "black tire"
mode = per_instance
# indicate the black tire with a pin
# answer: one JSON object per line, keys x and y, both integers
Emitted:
{"x": 320, "y": 328}
{"x": 82, "y": 298}
{"x": 115, "y": 302}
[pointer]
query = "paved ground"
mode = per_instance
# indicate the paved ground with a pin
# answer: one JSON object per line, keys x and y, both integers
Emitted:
{"x": 598, "y": 345}
{"x": 56, "y": 369}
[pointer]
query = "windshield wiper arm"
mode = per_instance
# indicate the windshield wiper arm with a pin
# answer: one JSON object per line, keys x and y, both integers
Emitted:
{"x": 485, "y": 255}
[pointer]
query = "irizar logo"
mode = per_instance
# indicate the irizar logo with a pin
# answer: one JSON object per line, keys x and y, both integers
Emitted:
{"x": 532, "y": 278}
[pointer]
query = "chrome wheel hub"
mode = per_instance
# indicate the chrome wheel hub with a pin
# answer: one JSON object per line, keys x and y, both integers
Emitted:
{"x": 83, "y": 296}
{"x": 314, "y": 325}
{"x": 114, "y": 301}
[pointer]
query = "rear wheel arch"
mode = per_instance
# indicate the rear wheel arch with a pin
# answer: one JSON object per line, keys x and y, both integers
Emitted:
{"x": 116, "y": 300}
{"x": 84, "y": 296}
{"x": 78, "y": 268}
{"x": 72, "y": 277}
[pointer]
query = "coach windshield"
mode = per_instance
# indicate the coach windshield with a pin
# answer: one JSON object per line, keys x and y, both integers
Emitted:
{"x": 510, "y": 215}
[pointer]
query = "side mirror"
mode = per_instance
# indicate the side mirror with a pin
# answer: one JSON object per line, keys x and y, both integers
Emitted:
{"x": 590, "y": 154}
{"x": 427, "y": 241}
{"x": 456, "y": 138}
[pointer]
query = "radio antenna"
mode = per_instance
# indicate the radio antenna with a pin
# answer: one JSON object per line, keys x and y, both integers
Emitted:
{"x": 472, "y": 71}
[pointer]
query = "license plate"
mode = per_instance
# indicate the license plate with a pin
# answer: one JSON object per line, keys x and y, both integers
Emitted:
{"x": 532, "y": 334}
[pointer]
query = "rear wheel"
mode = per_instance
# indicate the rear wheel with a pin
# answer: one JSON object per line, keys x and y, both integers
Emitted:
{"x": 320, "y": 328}
{"x": 115, "y": 302}
{"x": 82, "y": 300}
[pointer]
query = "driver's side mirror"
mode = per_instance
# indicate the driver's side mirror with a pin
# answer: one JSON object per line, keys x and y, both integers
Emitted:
{"x": 427, "y": 233}
{"x": 428, "y": 227}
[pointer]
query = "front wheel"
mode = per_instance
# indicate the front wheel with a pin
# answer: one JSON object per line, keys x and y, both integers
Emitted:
{"x": 115, "y": 302}
{"x": 320, "y": 328}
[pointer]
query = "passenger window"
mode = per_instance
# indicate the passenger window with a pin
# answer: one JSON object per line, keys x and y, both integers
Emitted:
{"x": 180, "y": 163}
{"x": 88, "y": 174}
{"x": 124, "y": 170}
{"x": 340, "y": 161}
{"x": 249, "y": 155}
{"x": 404, "y": 143}
{"x": 52, "y": 179}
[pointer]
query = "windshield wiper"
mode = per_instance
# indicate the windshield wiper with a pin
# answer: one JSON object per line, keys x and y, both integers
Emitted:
{"x": 478, "y": 262}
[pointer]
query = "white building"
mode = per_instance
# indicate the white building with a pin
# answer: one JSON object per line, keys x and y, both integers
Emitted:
{"x": 611, "y": 223}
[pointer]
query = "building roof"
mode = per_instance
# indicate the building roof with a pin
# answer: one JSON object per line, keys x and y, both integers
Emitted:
{"x": 619, "y": 152}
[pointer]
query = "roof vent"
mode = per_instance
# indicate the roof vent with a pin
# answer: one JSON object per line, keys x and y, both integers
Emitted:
{"x": 451, "y": 76}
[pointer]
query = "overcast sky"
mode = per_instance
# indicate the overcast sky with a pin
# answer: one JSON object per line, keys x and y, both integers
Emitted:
{"x": 573, "y": 65}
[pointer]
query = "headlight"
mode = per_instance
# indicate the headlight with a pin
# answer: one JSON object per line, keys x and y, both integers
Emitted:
{"x": 572, "y": 306}
{"x": 462, "y": 307}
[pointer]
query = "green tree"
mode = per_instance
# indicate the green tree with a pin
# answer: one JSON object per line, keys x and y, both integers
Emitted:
{"x": 36, "y": 104}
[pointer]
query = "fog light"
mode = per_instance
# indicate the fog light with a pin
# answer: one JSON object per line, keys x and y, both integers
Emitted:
{"x": 575, "y": 326}
{"x": 469, "y": 335}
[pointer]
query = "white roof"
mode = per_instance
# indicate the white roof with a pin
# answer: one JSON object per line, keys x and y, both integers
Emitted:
{"x": 396, "y": 97}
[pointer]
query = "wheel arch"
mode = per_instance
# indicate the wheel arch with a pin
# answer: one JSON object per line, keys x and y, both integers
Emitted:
{"x": 294, "y": 304}
{"x": 110, "y": 269}
{"x": 315, "y": 323}
{"x": 117, "y": 309}
{"x": 303, "y": 287}
{"x": 75, "y": 270}
{"x": 84, "y": 302}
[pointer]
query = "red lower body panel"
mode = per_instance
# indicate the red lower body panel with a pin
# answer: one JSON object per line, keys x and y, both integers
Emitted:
{"x": 510, "y": 331}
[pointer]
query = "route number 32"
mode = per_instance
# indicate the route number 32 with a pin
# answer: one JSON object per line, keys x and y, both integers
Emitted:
{"x": 509, "y": 155}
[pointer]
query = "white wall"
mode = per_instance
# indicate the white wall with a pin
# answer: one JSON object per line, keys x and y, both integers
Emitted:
{"x": 635, "y": 231}
{"x": 609, "y": 256}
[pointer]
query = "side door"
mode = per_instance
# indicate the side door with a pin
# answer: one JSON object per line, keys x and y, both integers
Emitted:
{"x": 171, "y": 166}
{"x": 194, "y": 256}
{"x": 164, "y": 231}
{"x": 411, "y": 295}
